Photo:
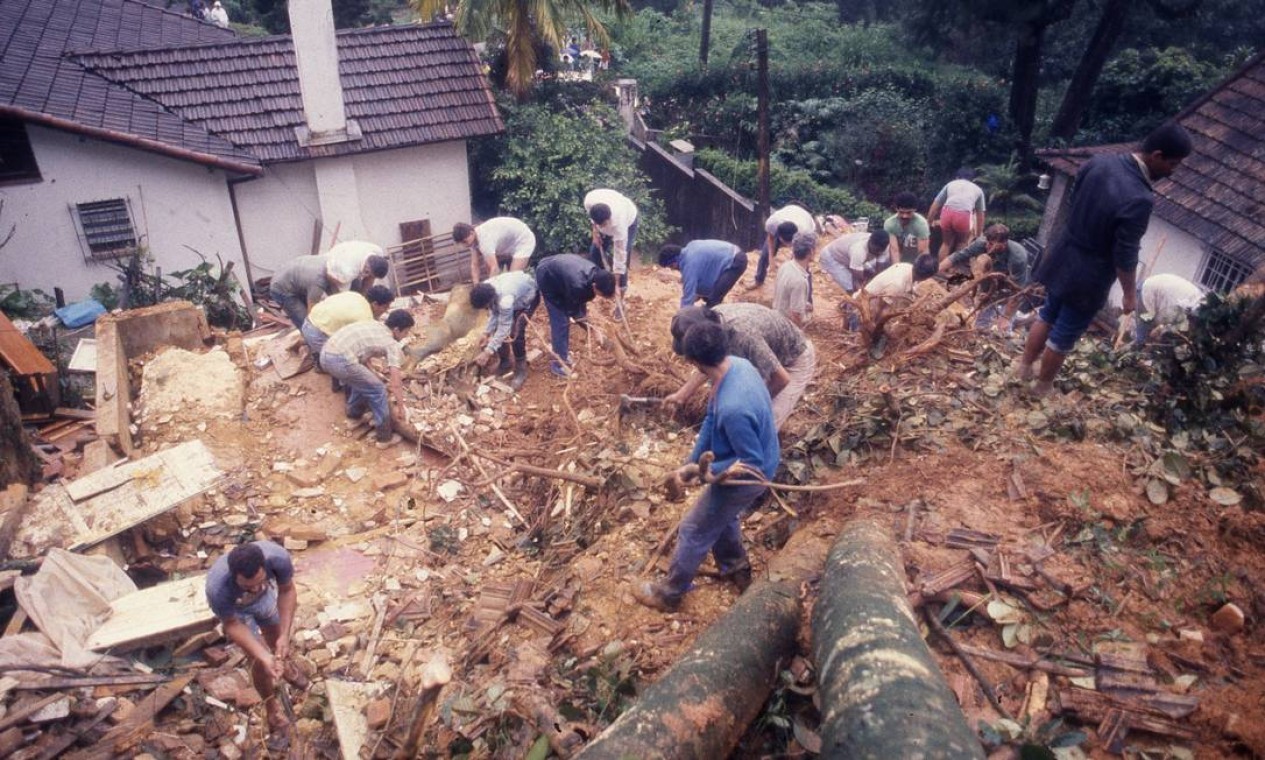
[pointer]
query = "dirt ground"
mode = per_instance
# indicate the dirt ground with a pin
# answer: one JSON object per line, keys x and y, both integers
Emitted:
{"x": 409, "y": 552}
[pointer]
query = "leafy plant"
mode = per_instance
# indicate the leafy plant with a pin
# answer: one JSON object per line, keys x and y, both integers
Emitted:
{"x": 105, "y": 294}
{"x": 549, "y": 159}
{"x": 24, "y": 304}
{"x": 785, "y": 185}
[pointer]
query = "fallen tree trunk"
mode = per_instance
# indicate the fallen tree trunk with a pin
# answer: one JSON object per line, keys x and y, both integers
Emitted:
{"x": 881, "y": 692}
{"x": 701, "y": 706}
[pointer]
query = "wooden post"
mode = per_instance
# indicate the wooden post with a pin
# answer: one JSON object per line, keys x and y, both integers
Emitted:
{"x": 705, "y": 36}
{"x": 882, "y": 694}
{"x": 701, "y": 706}
{"x": 762, "y": 120}
{"x": 18, "y": 463}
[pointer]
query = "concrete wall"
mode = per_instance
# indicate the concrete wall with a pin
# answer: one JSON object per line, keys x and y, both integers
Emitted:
{"x": 698, "y": 203}
{"x": 278, "y": 211}
{"x": 1166, "y": 250}
{"x": 174, "y": 204}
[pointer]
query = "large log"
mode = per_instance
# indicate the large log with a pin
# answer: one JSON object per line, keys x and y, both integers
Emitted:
{"x": 881, "y": 692}
{"x": 702, "y": 705}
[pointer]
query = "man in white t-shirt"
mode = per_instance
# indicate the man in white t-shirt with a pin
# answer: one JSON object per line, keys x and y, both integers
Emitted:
{"x": 779, "y": 230}
{"x": 852, "y": 259}
{"x": 502, "y": 243}
{"x": 1165, "y": 299}
{"x": 898, "y": 280}
{"x": 614, "y": 229}
{"x": 355, "y": 265}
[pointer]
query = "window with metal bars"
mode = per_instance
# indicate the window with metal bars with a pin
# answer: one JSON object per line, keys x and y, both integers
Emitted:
{"x": 1222, "y": 273}
{"x": 107, "y": 228}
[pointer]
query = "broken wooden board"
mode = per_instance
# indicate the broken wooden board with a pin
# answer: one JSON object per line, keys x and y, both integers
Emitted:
{"x": 114, "y": 499}
{"x": 120, "y": 739}
{"x": 347, "y": 700}
{"x": 174, "y": 609}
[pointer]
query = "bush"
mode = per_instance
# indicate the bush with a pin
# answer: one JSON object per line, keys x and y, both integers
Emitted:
{"x": 1139, "y": 89}
{"x": 785, "y": 186}
{"x": 548, "y": 160}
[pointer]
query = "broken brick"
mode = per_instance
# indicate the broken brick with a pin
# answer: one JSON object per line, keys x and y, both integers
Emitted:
{"x": 215, "y": 656}
{"x": 378, "y": 712}
{"x": 390, "y": 480}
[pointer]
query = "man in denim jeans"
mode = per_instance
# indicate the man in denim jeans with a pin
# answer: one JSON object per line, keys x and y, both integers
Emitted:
{"x": 251, "y": 590}
{"x": 738, "y": 430}
{"x": 1112, "y": 197}
{"x": 345, "y": 356}
{"x": 567, "y": 283}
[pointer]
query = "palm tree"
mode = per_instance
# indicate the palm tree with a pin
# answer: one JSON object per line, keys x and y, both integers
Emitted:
{"x": 523, "y": 22}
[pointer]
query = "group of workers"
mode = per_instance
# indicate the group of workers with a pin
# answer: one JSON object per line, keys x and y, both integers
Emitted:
{"x": 756, "y": 359}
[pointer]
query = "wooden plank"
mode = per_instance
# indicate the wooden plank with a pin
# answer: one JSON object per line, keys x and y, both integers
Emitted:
{"x": 121, "y": 738}
{"x": 170, "y": 609}
{"x": 15, "y": 717}
{"x": 347, "y": 700}
{"x": 127, "y": 679}
{"x": 52, "y": 745}
{"x": 19, "y": 353}
{"x": 949, "y": 577}
{"x": 123, "y": 496}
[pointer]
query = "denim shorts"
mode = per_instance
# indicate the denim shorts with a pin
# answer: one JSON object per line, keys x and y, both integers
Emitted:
{"x": 1067, "y": 324}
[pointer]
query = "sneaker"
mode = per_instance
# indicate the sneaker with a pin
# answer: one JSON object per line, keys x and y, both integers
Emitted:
{"x": 559, "y": 369}
{"x": 654, "y": 596}
{"x": 390, "y": 441}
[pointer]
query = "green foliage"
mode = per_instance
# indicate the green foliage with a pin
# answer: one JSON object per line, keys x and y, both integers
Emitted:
{"x": 24, "y": 304}
{"x": 1139, "y": 89}
{"x": 785, "y": 185}
{"x": 216, "y": 291}
{"x": 272, "y": 16}
{"x": 105, "y": 294}
{"x": 549, "y": 159}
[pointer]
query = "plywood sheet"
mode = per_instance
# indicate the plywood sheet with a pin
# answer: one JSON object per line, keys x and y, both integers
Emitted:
{"x": 347, "y": 700}
{"x": 85, "y": 357}
{"x": 148, "y": 615}
{"x": 288, "y": 363}
{"x": 21, "y": 354}
{"x": 114, "y": 499}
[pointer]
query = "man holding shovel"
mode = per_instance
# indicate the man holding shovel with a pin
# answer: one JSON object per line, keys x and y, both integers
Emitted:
{"x": 739, "y": 431}
{"x": 614, "y": 231}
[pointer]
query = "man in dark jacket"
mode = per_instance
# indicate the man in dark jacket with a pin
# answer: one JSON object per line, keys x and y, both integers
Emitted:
{"x": 1111, "y": 203}
{"x": 567, "y": 283}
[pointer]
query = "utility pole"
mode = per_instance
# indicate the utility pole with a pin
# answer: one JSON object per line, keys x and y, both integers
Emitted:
{"x": 762, "y": 119}
{"x": 706, "y": 36}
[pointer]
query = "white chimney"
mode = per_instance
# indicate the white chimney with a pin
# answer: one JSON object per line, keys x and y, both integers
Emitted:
{"x": 316, "y": 53}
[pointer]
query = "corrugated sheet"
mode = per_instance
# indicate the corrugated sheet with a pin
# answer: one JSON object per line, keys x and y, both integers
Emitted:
{"x": 1218, "y": 194}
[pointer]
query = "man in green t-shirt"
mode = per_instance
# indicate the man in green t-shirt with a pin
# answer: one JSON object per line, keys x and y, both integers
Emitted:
{"x": 909, "y": 232}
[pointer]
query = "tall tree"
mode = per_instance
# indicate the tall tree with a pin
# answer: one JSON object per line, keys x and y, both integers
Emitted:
{"x": 1032, "y": 18}
{"x": 1107, "y": 32}
{"x": 705, "y": 36}
{"x": 523, "y": 22}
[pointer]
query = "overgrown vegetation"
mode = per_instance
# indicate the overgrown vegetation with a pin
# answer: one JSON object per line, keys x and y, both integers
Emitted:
{"x": 552, "y": 153}
{"x": 214, "y": 287}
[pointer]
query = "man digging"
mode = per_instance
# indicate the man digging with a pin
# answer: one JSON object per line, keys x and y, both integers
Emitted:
{"x": 739, "y": 431}
{"x": 251, "y": 590}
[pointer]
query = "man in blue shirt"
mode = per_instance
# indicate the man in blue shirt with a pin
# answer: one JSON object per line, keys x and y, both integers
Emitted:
{"x": 251, "y": 590}
{"x": 1111, "y": 203}
{"x": 709, "y": 269}
{"x": 511, "y": 298}
{"x": 738, "y": 430}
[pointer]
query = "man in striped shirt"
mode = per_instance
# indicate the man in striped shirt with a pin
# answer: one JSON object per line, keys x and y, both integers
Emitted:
{"x": 345, "y": 357}
{"x": 342, "y": 309}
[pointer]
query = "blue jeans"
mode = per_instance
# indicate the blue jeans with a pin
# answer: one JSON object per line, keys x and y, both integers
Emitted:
{"x": 294, "y": 307}
{"x": 595, "y": 253}
{"x": 711, "y": 525}
{"x": 315, "y": 339}
{"x": 762, "y": 266}
{"x": 559, "y": 330}
{"x": 361, "y": 385}
{"x": 1067, "y": 324}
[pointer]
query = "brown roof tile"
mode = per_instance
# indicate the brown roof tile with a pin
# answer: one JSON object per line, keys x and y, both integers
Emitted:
{"x": 404, "y": 85}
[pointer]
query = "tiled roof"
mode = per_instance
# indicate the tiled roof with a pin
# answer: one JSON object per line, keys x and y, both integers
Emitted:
{"x": 39, "y": 83}
{"x": 1218, "y": 194}
{"x": 404, "y": 85}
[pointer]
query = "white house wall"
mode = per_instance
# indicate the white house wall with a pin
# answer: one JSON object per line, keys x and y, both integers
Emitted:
{"x": 278, "y": 211}
{"x": 174, "y": 204}
{"x": 1165, "y": 250}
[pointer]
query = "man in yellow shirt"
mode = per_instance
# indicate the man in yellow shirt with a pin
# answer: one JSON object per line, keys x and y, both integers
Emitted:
{"x": 342, "y": 309}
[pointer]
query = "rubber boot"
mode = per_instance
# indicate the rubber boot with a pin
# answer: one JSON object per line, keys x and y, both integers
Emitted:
{"x": 520, "y": 373}
{"x": 506, "y": 364}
